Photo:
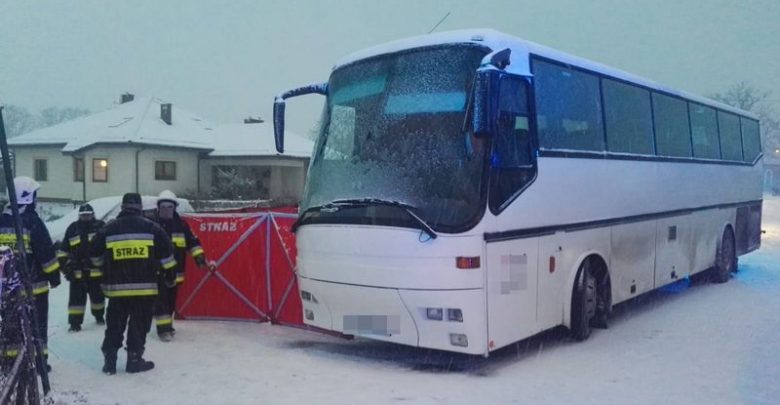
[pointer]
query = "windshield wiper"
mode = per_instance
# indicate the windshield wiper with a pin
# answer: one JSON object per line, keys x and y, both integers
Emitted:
{"x": 364, "y": 202}
{"x": 376, "y": 201}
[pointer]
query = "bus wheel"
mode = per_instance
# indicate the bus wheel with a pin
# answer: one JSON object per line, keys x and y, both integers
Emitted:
{"x": 725, "y": 258}
{"x": 583, "y": 302}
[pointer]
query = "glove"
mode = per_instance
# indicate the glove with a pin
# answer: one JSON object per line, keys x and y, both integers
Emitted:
{"x": 200, "y": 260}
{"x": 55, "y": 280}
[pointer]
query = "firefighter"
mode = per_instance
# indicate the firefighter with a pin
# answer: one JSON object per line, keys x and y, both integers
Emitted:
{"x": 41, "y": 256}
{"x": 183, "y": 241}
{"x": 84, "y": 279}
{"x": 131, "y": 250}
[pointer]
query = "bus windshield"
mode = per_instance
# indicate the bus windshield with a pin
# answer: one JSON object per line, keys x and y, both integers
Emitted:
{"x": 393, "y": 130}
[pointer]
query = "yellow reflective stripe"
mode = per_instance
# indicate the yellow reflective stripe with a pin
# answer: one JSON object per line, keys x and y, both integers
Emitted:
{"x": 74, "y": 241}
{"x": 41, "y": 290}
{"x": 163, "y": 320}
{"x": 95, "y": 273}
{"x": 61, "y": 254}
{"x": 76, "y": 310}
{"x": 77, "y": 274}
{"x": 131, "y": 243}
{"x": 11, "y": 353}
{"x": 168, "y": 262}
{"x": 179, "y": 278}
{"x": 130, "y": 293}
{"x": 51, "y": 266}
{"x": 96, "y": 261}
{"x": 97, "y": 306}
{"x": 197, "y": 250}
{"x": 179, "y": 241}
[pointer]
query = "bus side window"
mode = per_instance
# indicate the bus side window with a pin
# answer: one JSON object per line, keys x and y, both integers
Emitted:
{"x": 512, "y": 158}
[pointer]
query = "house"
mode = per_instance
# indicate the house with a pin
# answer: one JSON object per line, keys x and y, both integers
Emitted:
{"x": 146, "y": 145}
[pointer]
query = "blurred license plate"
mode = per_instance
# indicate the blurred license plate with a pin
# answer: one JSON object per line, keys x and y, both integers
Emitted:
{"x": 372, "y": 324}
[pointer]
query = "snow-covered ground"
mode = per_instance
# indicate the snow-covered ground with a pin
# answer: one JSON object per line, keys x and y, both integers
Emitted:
{"x": 699, "y": 344}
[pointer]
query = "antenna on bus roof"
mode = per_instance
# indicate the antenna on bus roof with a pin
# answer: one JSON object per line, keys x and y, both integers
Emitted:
{"x": 439, "y": 23}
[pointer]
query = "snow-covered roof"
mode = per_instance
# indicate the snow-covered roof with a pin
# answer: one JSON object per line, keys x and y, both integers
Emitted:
{"x": 133, "y": 122}
{"x": 257, "y": 140}
{"x": 520, "y": 58}
{"x": 138, "y": 122}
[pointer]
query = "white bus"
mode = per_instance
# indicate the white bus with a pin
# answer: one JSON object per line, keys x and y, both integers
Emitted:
{"x": 470, "y": 189}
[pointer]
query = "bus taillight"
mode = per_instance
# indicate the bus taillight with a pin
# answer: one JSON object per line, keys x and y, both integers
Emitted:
{"x": 463, "y": 262}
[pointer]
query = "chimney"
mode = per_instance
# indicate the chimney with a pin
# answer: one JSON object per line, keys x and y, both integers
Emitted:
{"x": 166, "y": 113}
{"x": 127, "y": 97}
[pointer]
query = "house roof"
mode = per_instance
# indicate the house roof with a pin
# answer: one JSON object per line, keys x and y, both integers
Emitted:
{"x": 257, "y": 140}
{"x": 139, "y": 122}
{"x": 133, "y": 122}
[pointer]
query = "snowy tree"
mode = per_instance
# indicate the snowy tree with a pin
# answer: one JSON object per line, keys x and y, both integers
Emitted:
{"x": 744, "y": 96}
{"x": 54, "y": 115}
{"x": 18, "y": 120}
{"x": 232, "y": 185}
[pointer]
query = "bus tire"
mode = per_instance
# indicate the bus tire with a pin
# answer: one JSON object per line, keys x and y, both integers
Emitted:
{"x": 583, "y": 302}
{"x": 725, "y": 258}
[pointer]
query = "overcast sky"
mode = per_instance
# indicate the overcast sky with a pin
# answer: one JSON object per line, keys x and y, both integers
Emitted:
{"x": 225, "y": 60}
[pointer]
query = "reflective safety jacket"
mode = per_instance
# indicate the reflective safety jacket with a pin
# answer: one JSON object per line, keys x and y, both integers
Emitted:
{"x": 132, "y": 250}
{"x": 75, "y": 247}
{"x": 41, "y": 257}
{"x": 183, "y": 241}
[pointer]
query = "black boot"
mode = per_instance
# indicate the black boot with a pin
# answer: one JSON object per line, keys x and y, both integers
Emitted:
{"x": 109, "y": 366}
{"x": 136, "y": 364}
{"x": 100, "y": 320}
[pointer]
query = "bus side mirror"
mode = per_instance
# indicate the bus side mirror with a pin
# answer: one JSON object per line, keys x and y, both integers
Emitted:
{"x": 279, "y": 103}
{"x": 279, "y": 124}
{"x": 487, "y": 83}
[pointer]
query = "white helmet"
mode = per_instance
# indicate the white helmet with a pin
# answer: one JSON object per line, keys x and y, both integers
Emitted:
{"x": 167, "y": 195}
{"x": 26, "y": 190}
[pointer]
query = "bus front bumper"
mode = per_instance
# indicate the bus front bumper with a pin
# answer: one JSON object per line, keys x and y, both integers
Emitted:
{"x": 450, "y": 320}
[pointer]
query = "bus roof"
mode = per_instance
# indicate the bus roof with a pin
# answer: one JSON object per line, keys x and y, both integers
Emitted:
{"x": 520, "y": 60}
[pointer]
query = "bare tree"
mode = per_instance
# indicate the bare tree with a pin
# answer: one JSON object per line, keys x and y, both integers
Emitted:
{"x": 745, "y": 96}
{"x": 19, "y": 120}
{"x": 55, "y": 115}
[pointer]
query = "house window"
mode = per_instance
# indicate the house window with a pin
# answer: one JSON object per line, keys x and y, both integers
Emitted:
{"x": 78, "y": 169}
{"x": 41, "y": 169}
{"x": 164, "y": 170}
{"x": 99, "y": 170}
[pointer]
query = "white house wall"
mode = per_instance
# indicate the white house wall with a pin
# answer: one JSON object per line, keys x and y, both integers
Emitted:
{"x": 59, "y": 182}
{"x": 186, "y": 171}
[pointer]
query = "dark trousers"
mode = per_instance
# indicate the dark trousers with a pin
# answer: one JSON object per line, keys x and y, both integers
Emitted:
{"x": 164, "y": 308}
{"x": 133, "y": 313}
{"x": 77, "y": 301}
{"x": 42, "y": 318}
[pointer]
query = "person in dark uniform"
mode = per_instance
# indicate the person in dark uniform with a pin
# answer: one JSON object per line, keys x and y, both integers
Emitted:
{"x": 41, "y": 256}
{"x": 83, "y": 277}
{"x": 183, "y": 241}
{"x": 132, "y": 251}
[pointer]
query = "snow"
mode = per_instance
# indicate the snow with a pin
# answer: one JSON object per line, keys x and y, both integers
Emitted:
{"x": 698, "y": 344}
{"x": 519, "y": 58}
{"x": 257, "y": 140}
{"x": 138, "y": 122}
{"x": 134, "y": 122}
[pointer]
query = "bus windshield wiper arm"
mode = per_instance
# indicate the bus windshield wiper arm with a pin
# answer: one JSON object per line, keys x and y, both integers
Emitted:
{"x": 376, "y": 201}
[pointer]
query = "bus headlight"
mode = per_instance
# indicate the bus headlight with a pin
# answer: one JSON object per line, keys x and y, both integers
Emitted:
{"x": 459, "y": 339}
{"x": 436, "y": 314}
{"x": 454, "y": 314}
